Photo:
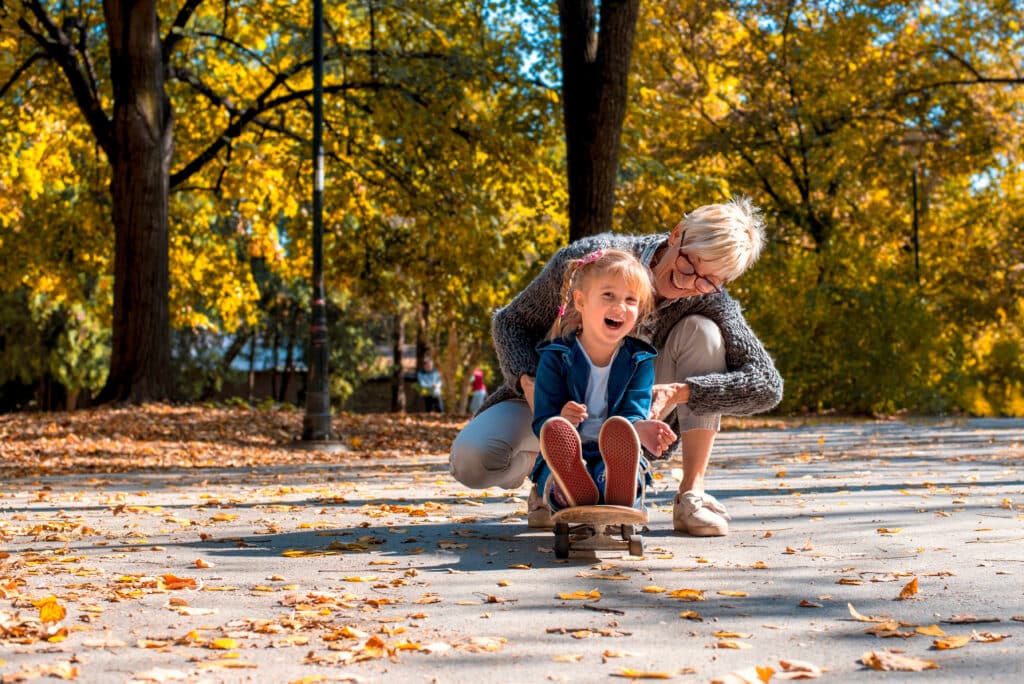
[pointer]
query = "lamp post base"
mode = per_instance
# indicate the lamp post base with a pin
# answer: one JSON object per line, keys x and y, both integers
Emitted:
{"x": 328, "y": 446}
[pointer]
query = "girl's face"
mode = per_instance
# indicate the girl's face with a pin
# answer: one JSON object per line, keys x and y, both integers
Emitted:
{"x": 678, "y": 274}
{"x": 608, "y": 308}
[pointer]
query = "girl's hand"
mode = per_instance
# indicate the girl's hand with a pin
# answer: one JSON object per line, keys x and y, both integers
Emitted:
{"x": 665, "y": 397}
{"x": 655, "y": 435}
{"x": 574, "y": 413}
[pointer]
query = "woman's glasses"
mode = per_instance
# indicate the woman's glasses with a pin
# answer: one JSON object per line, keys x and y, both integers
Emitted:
{"x": 701, "y": 283}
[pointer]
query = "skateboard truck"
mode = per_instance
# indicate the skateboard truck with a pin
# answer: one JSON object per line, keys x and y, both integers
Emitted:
{"x": 598, "y": 528}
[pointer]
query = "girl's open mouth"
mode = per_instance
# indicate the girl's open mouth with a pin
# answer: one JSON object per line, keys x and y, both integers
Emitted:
{"x": 614, "y": 325}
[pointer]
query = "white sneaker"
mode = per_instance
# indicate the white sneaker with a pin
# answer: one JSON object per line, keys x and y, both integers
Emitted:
{"x": 538, "y": 515}
{"x": 699, "y": 514}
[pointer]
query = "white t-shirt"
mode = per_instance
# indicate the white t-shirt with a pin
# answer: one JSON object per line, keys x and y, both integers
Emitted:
{"x": 596, "y": 399}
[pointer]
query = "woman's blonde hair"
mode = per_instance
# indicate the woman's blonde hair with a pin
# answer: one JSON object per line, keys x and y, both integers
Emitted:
{"x": 579, "y": 272}
{"x": 729, "y": 235}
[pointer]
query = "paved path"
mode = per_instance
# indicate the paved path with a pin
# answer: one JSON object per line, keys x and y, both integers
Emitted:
{"x": 389, "y": 571}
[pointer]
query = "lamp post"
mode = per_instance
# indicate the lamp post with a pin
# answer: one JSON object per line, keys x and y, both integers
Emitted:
{"x": 316, "y": 424}
{"x": 914, "y": 140}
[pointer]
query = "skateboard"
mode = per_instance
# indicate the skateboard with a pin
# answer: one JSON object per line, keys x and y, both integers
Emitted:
{"x": 593, "y": 528}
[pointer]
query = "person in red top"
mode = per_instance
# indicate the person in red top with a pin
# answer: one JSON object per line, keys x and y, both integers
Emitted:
{"x": 476, "y": 399}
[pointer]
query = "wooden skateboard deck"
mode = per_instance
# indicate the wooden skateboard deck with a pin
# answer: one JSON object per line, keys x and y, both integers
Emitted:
{"x": 591, "y": 528}
{"x": 600, "y": 515}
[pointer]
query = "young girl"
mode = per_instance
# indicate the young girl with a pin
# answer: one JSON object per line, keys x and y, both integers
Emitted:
{"x": 593, "y": 387}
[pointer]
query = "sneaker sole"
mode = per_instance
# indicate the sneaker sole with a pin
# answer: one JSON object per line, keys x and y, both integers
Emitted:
{"x": 560, "y": 448}
{"x": 620, "y": 449}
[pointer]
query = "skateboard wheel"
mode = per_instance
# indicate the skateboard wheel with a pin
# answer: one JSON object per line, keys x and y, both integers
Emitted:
{"x": 627, "y": 532}
{"x": 636, "y": 545}
{"x": 562, "y": 547}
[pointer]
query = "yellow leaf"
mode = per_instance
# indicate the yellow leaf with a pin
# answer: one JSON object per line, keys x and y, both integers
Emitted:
{"x": 931, "y": 630}
{"x": 952, "y": 642}
{"x": 629, "y": 673}
{"x": 653, "y": 590}
{"x": 49, "y": 609}
{"x": 593, "y": 595}
{"x": 732, "y": 645}
{"x": 908, "y": 590}
{"x": 726, "y": 592}
{"x": 886, "y": 530}
{"x": 200, "y": 563}
{"x": 568, "y": 658}
{"x": 223, "y": 644}
{"x": 687, "y": 594}
{"x": 690, "y": 615}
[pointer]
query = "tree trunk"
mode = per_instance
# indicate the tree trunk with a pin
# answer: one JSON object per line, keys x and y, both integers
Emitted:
{"x": 595, "y": 69}
{"x": 141, "y": 149}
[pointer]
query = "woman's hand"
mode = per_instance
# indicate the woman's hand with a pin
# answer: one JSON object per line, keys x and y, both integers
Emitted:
{"x": 665, "y": 397}
{"x": 574, "y": 413}
{"x": 526, "y": 382}
{"x": 655, "y": 435}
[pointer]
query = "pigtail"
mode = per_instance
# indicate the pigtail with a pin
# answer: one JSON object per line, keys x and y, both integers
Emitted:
{"x": 564, "y": 303}
{"x": 568, "y": 318}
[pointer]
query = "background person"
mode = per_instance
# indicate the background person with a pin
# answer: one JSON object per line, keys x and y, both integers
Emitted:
{"x": 478, "y": 391}
{"x": 429, "y": 381}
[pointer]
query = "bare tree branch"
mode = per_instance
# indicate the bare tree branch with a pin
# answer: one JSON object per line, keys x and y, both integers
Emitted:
{"x": 177, "y": 30}
{"x": 59, "y": 48}
{"x": 34, "y": 57}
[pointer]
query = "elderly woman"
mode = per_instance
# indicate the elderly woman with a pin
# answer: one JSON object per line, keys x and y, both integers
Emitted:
{"x": 709, "y": 360}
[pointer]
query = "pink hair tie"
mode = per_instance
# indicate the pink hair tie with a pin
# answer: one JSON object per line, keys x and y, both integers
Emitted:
{"x": 590, "y": 258}
{"x": 561, "y": 311}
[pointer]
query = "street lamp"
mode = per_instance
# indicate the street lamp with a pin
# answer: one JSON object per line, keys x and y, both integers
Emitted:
{"x": 316, "y": 424}
{"x": 914, "y": 140}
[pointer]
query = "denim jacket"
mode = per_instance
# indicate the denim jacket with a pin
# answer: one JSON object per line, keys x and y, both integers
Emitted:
{"x": 563, "y": 373}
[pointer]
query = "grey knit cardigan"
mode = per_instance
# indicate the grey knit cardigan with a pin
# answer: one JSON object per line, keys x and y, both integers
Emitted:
{"x": 750, "y": 385}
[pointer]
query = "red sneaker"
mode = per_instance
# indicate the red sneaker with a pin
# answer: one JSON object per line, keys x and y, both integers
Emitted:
{"x": 560, "y": 447}
{"x": 620, "y": 449}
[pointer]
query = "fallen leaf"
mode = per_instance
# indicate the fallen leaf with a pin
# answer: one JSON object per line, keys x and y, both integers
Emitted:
{"x": 732, "y": 644}
{"x": 687, "y": 594}
{"x": 968, "y": 620}
{"x": 909, "y": 590}
{"x": 863, "y": 618}
{"x": 641, "y": 674}
{"x": 988, "y": 637}
{"x": 957, "y": 641}
{"x": 894, "y": 662}
{"x": 931, "y": 630}
{"x": 798, "y": 669}
{"x": 571, "y": 658}
{"x": 50, "y": 610}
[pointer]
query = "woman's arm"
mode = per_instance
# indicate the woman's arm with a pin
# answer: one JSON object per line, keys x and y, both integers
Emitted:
{"x": 751, "y": 383}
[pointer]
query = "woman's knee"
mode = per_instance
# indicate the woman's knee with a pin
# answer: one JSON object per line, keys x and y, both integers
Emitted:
{"x": 478, "y": 463}
{"x": 487, "y": 453}
{"x": 697, "y": 344}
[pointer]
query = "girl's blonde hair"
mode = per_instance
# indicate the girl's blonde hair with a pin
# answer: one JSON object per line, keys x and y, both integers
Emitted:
{"x": 579, "y": 272}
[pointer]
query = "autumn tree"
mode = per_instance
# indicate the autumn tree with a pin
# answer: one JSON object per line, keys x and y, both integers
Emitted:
{"x": 206, "y": 112}
{"x": 862, "y": 129}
